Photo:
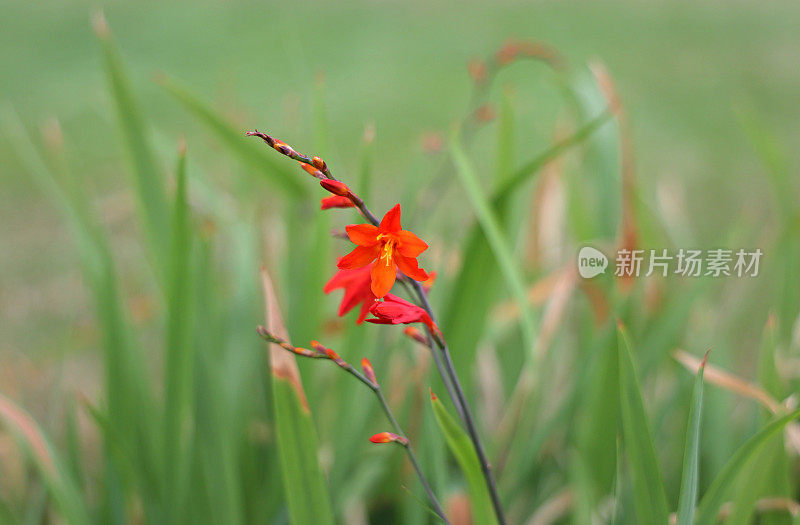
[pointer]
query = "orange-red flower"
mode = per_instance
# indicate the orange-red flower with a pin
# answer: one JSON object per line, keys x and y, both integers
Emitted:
{"x": 391, "y": 248}
{"x": 394, "y": 310}
{"x": 356, "y": 286}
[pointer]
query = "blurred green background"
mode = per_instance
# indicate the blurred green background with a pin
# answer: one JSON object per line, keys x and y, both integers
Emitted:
{"x": 711, "y": 92}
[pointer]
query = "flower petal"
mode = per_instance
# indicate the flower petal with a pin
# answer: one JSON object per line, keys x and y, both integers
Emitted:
{"x": 383, "y": 277}
{"x": 362, "y": 234}
{"x": 391, "y": 221}
{"x": 410, "y": 267}
{"x": 409, "y": 244}
{"x": 360, "y": 256}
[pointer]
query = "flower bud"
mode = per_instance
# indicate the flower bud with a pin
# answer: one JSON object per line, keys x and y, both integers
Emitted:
{"x": 416, "y": 335}
{"x": 388, "y": 437}
{"x": 369, "y": 373}
{"x": 311, "y": 170}
{"x": 335, "y": 187}
{"x": 319, "y": 163}
{"x": 335, "y": 201}
{"x": 477, "y": 70}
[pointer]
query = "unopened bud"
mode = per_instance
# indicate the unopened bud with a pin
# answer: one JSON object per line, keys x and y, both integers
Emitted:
{"x": 433, "y": 396}
{"x": 369, "y": 373}
{"x": 477, "y": 70}
{"x": 335, "y": 187}
{"x": 388, "y": 437}
{"x": 319, "y": 163}
{"x": 305, "y": 352}
{"x": 485, "y": 113}
{"x": 284, "y": 148}
{"x": 336, "y": 201}
{"x": 311, "y": 170}
{"x": 416, "y": 335}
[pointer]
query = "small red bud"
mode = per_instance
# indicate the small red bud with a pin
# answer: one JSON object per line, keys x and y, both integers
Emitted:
{"x": 477, "y": 70}
{"x": 332, "y": 355}
{"x": 485, "y": 113}
{"x": 319, "y": 163}
{"x": 433, "y": 396}
{"x": 388, "y": 437}
{"x": 311, "y": 170}
{"x": 335, "y": 187}
{"x": 416, "y": 335}
{"x": 368, "y": 371}
{"x": 305, "y": 352}
{"x": 335, "y": 201}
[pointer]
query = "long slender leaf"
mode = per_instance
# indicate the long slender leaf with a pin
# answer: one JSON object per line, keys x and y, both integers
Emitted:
{"x": 148, "y": 177}
{"x": 459, "y": 444}
{"x": 688, "y": 495}
{"x": 304, "y": 485}
{"x": 722, "y": 484}
{"x": 179, "y": 359}
{"x": 252, "y": 153}
{"x": 50, "y": 466}
{"x": 648, "y": 487}
{"x": 497, "y": 240}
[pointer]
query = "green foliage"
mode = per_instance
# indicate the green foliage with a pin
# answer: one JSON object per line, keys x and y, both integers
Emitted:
{"x": 647, "y": 483}
{"x": 691, "y": 456}
{"x": 460, "y": 446}
{"x": 191, "y": 424}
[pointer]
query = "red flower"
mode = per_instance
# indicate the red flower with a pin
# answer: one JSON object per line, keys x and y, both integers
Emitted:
{"x": 335, "y": 201}
{"x": 390, "y": 247}
{"x": 356, "y": 286}
{"x": 394, "y": 310}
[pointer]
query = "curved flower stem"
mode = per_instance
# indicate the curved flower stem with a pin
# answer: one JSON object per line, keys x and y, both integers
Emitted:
{"x": 410, "y": 452}
{"x": 466, "y": 414}
{"x": 445, "y": 366}
{"x": 376, "y": 389}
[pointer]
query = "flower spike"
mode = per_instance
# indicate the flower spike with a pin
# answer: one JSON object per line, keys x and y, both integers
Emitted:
{"x": 272, "y": 338}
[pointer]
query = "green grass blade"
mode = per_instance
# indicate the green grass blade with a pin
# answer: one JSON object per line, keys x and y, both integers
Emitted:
{"x": 304, "y": 484}
{"x": 178, "y": 351}
{"x": 504, "y": 157}
{"x": 716, "y": 493}
{"x": 688, "y": 494}
{"x": 497, "y": 241}
{"x": 254, "y": 154}
{"x": 461, "y": 321}
{"x": 55, "y": 473}
{"x": 460, "y": 445}
{"x": 531, "y": 167}
{"x": 648, "y": 489}
{"x": 148, "y": 177}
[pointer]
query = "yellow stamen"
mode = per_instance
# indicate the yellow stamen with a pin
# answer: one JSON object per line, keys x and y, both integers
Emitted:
{"x": 388, "y": 248}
